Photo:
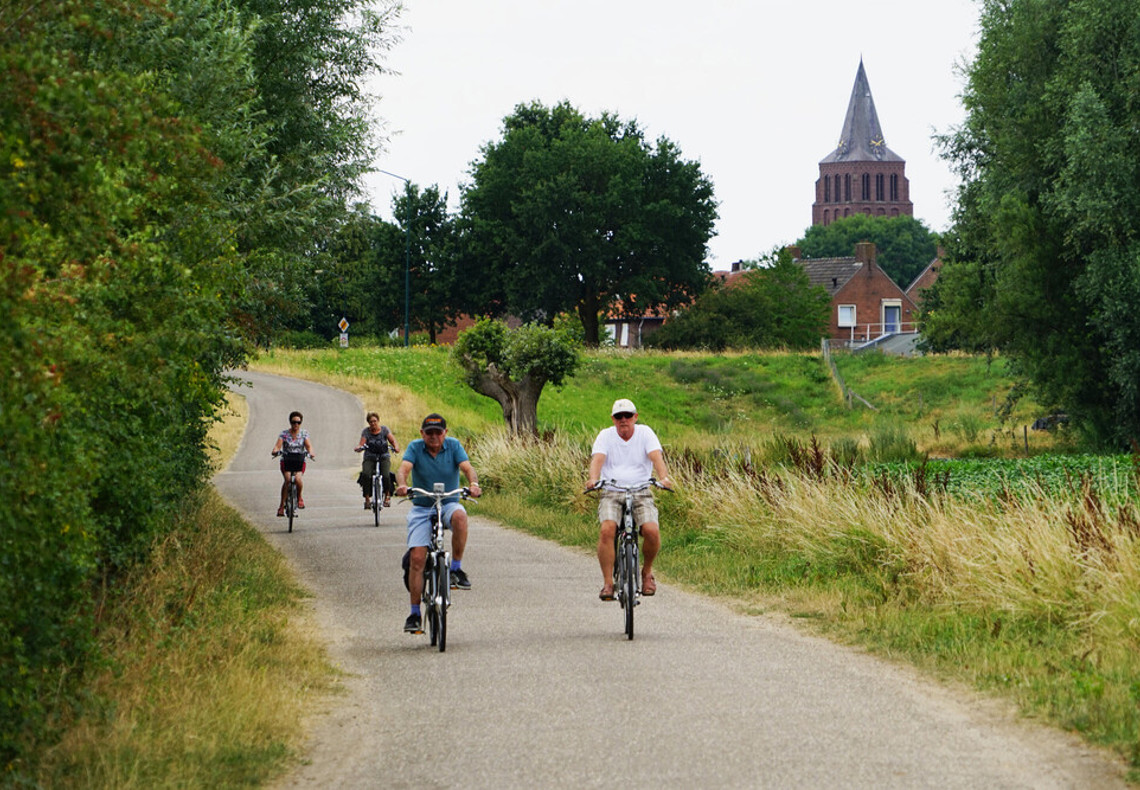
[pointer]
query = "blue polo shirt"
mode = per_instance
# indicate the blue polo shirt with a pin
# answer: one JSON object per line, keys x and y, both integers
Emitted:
{"x": 427, "y": 471}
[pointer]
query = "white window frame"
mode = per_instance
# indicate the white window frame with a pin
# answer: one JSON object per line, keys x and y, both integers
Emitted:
{"x": 839, "y": 316}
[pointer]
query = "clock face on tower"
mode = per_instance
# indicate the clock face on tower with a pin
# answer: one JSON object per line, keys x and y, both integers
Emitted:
{"x": 877, "y": 147}
{"x": 841, "y": 149}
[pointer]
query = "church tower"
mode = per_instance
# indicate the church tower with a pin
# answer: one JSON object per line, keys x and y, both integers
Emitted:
{"x": 862, "y": 175}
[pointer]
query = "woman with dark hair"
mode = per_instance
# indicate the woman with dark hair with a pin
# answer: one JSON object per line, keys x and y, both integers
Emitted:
{"x": 293, "y": 445}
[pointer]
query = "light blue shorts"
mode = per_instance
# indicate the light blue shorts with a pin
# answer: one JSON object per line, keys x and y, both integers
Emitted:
{"x": 419, "y": 522}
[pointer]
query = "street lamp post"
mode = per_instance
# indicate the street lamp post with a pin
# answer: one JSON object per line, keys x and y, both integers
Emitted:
{"x": 407, "y": 258}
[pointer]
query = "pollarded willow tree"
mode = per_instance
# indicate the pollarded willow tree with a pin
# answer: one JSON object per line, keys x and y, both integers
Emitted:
{"x": 1044, "y": 258}
{"x": 512, "y": 366}
{"x": 568, "y": 213}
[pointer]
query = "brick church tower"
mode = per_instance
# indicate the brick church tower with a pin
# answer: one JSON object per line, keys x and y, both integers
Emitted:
{"x": 862, "y": 175}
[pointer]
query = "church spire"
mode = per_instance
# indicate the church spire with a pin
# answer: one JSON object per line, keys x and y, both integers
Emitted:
{"x": 862, "y": 138}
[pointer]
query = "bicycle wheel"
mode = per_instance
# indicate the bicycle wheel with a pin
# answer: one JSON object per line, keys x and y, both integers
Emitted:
{"x": 629, "y": 585}
{"x": 377, "y": 493}
{"x": 291, "y": 503}
{"x": 443, "y": 585}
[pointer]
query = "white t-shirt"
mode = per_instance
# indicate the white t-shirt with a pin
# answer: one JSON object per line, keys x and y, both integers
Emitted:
{"x": 627, "y": 462}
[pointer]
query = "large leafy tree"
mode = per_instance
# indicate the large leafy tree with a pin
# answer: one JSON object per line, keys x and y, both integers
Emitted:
{"x": 773, "y": 305}
{"x": 1044, "y": 261}
{"x": 568, "y": 213}
{"x": 904, "y": 244}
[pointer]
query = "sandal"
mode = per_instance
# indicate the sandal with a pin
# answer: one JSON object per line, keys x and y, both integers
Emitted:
{"x": 648, "y": 585}
{"x": 280, "y": 512}
{"x": 606, "y": 595}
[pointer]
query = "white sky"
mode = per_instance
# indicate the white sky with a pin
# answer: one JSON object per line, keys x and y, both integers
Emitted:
{"x": 754, "y": 91}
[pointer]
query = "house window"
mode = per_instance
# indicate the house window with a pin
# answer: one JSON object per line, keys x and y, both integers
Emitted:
{"x": 846, "y": 315}
{"x": 892, "y": 315}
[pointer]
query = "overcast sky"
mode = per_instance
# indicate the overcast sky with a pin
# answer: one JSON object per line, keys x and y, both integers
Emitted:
{"x": 754, "y": 91}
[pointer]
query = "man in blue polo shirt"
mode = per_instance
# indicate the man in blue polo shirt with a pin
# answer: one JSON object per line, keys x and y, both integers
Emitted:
{"x": 434, "y": 458}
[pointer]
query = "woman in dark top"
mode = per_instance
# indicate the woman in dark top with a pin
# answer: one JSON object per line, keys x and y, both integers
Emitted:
{"x": 377, "y": 443}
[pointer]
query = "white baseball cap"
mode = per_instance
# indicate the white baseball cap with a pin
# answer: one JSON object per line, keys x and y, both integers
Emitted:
{"x": 623, "y": 405}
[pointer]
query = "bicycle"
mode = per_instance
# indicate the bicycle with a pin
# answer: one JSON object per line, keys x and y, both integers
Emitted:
{"x": 627, "y": 575}
{"x": 292, "y": 496}
{"x": 437, "y": 570}
{"x": 379, "y": 485}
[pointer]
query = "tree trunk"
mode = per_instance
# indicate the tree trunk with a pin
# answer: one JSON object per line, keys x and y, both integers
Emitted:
{"x": 588, "y": 315}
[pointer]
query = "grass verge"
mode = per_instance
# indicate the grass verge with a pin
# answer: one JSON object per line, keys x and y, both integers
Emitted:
{"x": 210, "y": 664}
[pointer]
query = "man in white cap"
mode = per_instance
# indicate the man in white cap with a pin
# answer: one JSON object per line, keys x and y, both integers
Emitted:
{"x": 627, "y": 453}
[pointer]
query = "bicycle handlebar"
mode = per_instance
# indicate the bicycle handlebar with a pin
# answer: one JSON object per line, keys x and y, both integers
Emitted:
{"x": 614, "y": 484}
{"x": 464, "y": 493}
{"x": 303, "y": 453}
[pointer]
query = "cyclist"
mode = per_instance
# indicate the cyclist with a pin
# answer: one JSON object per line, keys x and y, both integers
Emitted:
{"x": 434, "y": 458}
{"x": 293, "y": 444}
{"x": 375, "y": 441}
{"x": 627, "y": 453}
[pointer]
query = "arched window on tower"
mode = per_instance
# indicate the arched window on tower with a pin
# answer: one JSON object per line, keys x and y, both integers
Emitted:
{"x": 894, "y": 186}
{"x": 847, "y": 187}
{"x": 879, "y": 191}
{"x": 866, "y": 186}
{"x": 826, "y": 189}
{"x": 838, "y": 193}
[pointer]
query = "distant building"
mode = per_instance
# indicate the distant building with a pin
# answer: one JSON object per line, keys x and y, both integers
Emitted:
{"x": 862, "y": 175}
{"x": 866, "y": 304}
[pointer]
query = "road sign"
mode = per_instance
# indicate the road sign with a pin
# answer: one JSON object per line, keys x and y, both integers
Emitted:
{"x": 344, "y": 339}
{"x": 343, "y": 325}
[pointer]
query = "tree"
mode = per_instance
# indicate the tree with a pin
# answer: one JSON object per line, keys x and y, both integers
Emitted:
{"x": 772, "y": 306}
{"x": 905, "y": 246}
{"x": 572, "y": 213}
{"x": 512, "y": 366}
{"x": 1044, "y": 261}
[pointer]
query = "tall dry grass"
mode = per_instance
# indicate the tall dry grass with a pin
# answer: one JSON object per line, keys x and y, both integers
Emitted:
{"x": 1035, "y": 595}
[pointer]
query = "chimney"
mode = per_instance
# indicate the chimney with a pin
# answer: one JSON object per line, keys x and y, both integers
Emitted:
{"x": 865, "y": 253}
{"x": 736, "y": 266}
{"x": 794, "y": 251}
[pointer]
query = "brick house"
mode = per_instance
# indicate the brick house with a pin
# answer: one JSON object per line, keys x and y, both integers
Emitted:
{"x": 866, "y": 304}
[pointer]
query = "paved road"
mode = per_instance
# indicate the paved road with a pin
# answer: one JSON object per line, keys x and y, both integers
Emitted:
{"x": 540, "y": 688}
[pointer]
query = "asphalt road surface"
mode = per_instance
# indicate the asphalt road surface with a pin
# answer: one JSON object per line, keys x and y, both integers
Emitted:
{"x": 540, "y": 688}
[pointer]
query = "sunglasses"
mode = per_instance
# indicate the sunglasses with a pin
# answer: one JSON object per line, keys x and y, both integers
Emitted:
{"x": 294, "y": 422}
{"x": 624, "y": 415}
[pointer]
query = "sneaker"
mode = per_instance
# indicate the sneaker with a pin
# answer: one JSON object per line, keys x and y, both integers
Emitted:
{"x": 459, "y": 580}
{"x": 413, "y": 625}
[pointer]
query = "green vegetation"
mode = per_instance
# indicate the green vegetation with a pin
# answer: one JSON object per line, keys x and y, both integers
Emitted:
{"x": 769, "y": 307}
{"x": 1042, "y": 261}
{"x": 723, "y": 399}
{"x": 166, "y": 171}
{"x": 513, "y": 366}
{"x": 584, "y": 215}
{"x": 904, "y": 245}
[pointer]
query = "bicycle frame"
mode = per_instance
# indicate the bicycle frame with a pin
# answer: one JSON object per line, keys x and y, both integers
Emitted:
{"x": 293, "y": 493}
{"x": 626, "y": 572}
{"x": 437, "y": 568}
